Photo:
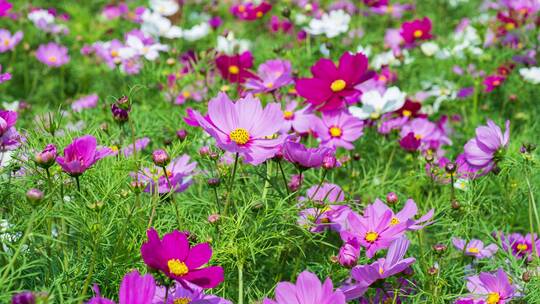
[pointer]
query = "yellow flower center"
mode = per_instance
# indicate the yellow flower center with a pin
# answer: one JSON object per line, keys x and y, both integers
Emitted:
{"x": 418, "y": 136}
{"x": 177, "y": 267}
{"x": 114, "y": 53}
{"x": 510, "y": 26}
{"x": 381, "y": 270}
{"x": 394, "y": 221}
{"x": 383, "y": 78}
{"x": 371, "y": 236}
{"x": 406, "y": 113}
{"x": 496, "y": 83}
{"x": 522, "y": 247}
{"x": 308, "y": 7}
{"x": 52, "y": 58}
{"x": 493, "y": 298}
{"x": 241, "y": 8}
{"x": 224, "y": 88}
{"x": 270, "y": 85}
{"x": 338, "y": 85}
{"x": 374, "y": 116}
{"x": 473, "y": 250}
{"x": 335, "y": 131}
{"x": 114, "y": 148}
{"x": 259, "y": 14}
{"x": 418, "y": 34}
{"x": 389, "y": 9}
{"x": 288, "y": 115}
{"x": 186, "y": 94}
{"x": 6, "y": 42}
{"x": 233, "y": 69}
{"x": 183, "y": 300}
{"x": 239, "y": 136}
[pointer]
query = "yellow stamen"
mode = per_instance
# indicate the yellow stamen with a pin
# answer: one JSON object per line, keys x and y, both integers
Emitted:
{"x": 52, "y": 58}
{"x": 374, "y": 115}
{"x": 114, "y": 148}
{"x": 371, "y": 236}
{"x": 383, "y": 78}
{"x": 335, "y": 132}
{"x": 381, "y": 270}
{"x": 473, "y": 250}
{"x": 224, "y": 88}
{"x": 241, "y": 8}
{"x": 496, "y": 83}
{"x": 186, "y": 94}
{"x": 288, "y": 115}
{"x": 493, "y": 298}
{"x": 114, "y": 53}
{"x": 406, "y": 113}
{"x": 338, "y": 85}
{"x": 233, "y": 69}
{"x": 182, "y": 300}
{"x": 394, "y": 221}
{"x": 418, "y": 136}
{"x": 239, "y": 136}
{"x": 509, "y": 26}
{"x": 6, "y": 42}
{"x": 269, "y": 85}
{"x": 418, "y": 34}
{"x": 259, "y": 14}
{"x": 522, "y": 247}
{"x": 177, "y": 267}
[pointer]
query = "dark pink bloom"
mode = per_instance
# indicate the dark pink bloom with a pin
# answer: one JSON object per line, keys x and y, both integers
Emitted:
{"x": 81, "y": 154}
{"x": 419, "y": 29}
{"x": 303, "y": 157}
{"x": 307, "y": 290}
{"x": 235, "y": 68}
{"x": 493, "y": 81}
{"x": 332, "y": 87}
{"x": 134, "y": 289}
{"x": 493, "y": 288}
{"x": 174, "y": 256}
{"x": 349, "y": 253}
{"x": 482, "y": 152}
{"x": 7, "y": 121}
{"x": 519, "y": 245}
{"x": 250, "y": 11}
{"x": 5, "y": 7}
{"x": 475, "y": 248}
{"x": 4, "y": 77}
{"x": 338, "y": 129}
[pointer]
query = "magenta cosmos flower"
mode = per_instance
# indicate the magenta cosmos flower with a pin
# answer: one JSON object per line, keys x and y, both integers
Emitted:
{"x": 475, "y": 248}
{"x": 173, "y": 256}
{"x": 249, "y": 11}
{"x": 52, "y": 54}
{"x": 5, "y": 7}
{"x": 492, "y": 82}
{"x": 81, "y": 154}
{"x": 7, "y": 121}
{"x": 243, "y": 127}
{"x": 519, "y": 245}
{"x": 235, "y": 68}
{"x": 307, "y": 290}
{"x": 419, "y": 29}
{"x": 7, "y": 41}
{"x": 332, "y": 87}
{"x": 272, "y": 75}
{"x": 134, "y": 289}
{"x": 189, "y": 294}
{"x": 482, "y": 152}
{"x": 493, "y": 288}
{"x": 338, "y": 129}
{"x": 303, "y": 157}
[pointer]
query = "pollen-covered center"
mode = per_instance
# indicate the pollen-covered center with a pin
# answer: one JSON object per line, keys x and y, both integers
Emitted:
{"x": 288, "y": 115}
{"x": 394, "y": 221}
{"x": 493, "y": 298}
{"x": 52, "y": 58}
{"x": 371, "y": 236}
{"x": 177, "y": 267}
{"x": 182, "y": 300}
{"x": 338, "y": 85}
{"x": 234, "y": 69}
{"x": 406, "y": 113}
{"x": 522, "y": 247}
{"x": 239, "y": 136}
{"x": 335, "y": 131}
{"x": 473, "y": 250}
{"x": 418, "y": 33}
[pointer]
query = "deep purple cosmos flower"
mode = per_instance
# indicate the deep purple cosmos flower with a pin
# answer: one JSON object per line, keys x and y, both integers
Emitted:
{"x": 519, "y": 245}
{"x": 179, "y": 176}
{"x": 413, "y": 31}
{"x": 333, "y": 87}
{"x": 173, "y": 256}
{"x": 243, "y": 127}
{"x": 485, "y": 149}
{"x": 338, "y": 129}
{"x": 365, "y": 275}
{"x": 307, "y": 290}
{"x": 134, "y": 289}
{"x": 10, "y": 139}
{"x": 52, "y": 54}
{"x": 7, "y": 41}
{"x": 493, "y": 288}
{"x": 475, "y": 248}
{"x": 271, "y": 75}
{"x": 235, "y": 68}
{"x": 422, "y": 134}
{"x": 81, "y": 154}
{"x": 303, "y": 157}
{"x": 250, "y": 11}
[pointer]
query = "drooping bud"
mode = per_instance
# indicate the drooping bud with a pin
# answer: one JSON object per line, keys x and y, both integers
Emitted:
{"x": 124, "y": 103}
{"x": 120, "y": 115}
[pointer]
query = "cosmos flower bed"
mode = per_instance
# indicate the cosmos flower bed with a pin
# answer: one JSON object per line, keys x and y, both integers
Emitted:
{"x": 280, "y": 152}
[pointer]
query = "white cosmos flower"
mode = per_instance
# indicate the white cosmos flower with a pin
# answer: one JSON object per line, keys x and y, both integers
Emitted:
{"x": 197, "y": 32}
{"x": 531, "y": 74}
{"x": 158, "y": 26}
{"x": 164, "y": 7}
{"x": 229, "y": 45}
{"x": 374, "y": 104}
{"x": 429, "y": 48}
{"x": 331, "y": 24}
{"x": 41, "y": 16}
{"x": 135, "y": 47}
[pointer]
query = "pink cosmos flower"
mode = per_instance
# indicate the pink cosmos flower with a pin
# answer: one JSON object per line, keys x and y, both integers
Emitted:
{"x": 425, "y": 134}
{"x": 81, "y": 154}
{"x": 272, "y": 75}
{"x": 235, "y": 68}
{"x": 52, "y": 54}
{"x": 475, "y": 248}
{"x": 338, "y": 129}
{"x": 482, "y": 152}
{"x": 396, "y": 10}
{"x": 10, "y": 139}
{"x": 307, "y": 290}
{"x": 519, "y": 245}
{"x": 5, "y": 7}
{"x": 140, "y": 144}
{"x": 85, "y": 102}
{"x": 493, "y": 81}
{"x": 7, "y": 41}
{"x": 134, "y": 289}
{"x": 405, "y": 215}
{"x": 300, "y": 121}
{"x": 179, "y": 175}
{"x": 5, "y": 76}
{"x": 332, "y": 87}
{"x": 250, "y": 11}
{"x": 243, "y": 127}
{"x": 303, "y": 157}
{"x": 493, "y": 288}
{"x": 419, "y": 29}
{"x": 189, "y": 294}
{"x": 174, "y": 256}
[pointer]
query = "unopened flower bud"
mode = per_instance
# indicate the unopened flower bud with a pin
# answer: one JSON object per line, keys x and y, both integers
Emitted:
{"x": 455, "y": 205}
{"x": 429, "y": 158}
{"x": 450, "y": 168}
{"x": 137, "y": 186}
{"x": 348, "y": 255}
{"x": 356, "y": 156}
{"x": 391, "y": 198}
{"x": 25, "y": 297}
{"x": 526, "y": 276}
{"x": 286, "y": 12}
{"x": 120, "y": 115}
{"x": 433, "y": 271}
{"x": 213, "y": 182}
{"x": 204, "y": 151}
{"x": 34, "y": 195}
{"x": 46, "y": 158}
{"x": 181, "y": 134}
{"x": 124, "y": 103}
{"x": 160, "y": 158}
{"x": 439, "y": 248}
{"x": 329, "y": 162}
{"x": 213, "y": 218}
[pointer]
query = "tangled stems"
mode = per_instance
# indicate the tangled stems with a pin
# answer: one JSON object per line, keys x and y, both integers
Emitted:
{"x": 231, "y": 183}
{"x": 171, "y": 191}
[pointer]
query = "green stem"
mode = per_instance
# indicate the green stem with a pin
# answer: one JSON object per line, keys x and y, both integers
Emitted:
{"x": 267, "y": 179}
{"x": 240, "y": 283}
{"x": 231, "y": 183}
{"x": 25, "y": 237}
{"x": 284, "y": 178}
{"x": 171, "y": 191}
